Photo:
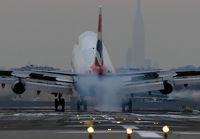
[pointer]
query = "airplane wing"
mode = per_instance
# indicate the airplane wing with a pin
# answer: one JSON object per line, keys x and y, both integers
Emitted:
{"x": 163, "y": 81}
{"x": 38, "y": 81}
{"x": 63, "y": 82}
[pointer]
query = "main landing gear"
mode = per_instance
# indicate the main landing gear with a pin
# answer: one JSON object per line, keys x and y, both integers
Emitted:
{"x": 59, "y": 102}
{"x": 82, "y": 105}
{"x": 127, "y": 105}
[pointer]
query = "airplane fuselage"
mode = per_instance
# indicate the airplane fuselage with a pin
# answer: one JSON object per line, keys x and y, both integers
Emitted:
{"x": 84, "y": 53}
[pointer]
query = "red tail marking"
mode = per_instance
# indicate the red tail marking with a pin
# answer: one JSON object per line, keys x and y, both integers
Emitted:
{"x": 96, "y": 62}
{"x": 98, "y": 69}
{"x": 100, "y": 26}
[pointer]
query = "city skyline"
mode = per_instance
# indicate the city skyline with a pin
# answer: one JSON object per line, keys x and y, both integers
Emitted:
{"x": 43, "y": 32}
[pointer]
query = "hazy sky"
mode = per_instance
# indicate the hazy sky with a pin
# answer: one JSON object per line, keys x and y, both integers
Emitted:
{"x": 43, "y": 32}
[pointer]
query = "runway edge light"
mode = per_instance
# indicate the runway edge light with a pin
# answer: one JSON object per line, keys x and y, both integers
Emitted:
{"x": 129, "y": 131}
{"x": 165, "y": 129}
{"x": 90, "y": 131}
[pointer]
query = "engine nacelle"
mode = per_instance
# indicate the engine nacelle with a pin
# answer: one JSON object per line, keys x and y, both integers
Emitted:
{"x": 168, "y": 88}
{"x": 19, "y": 86}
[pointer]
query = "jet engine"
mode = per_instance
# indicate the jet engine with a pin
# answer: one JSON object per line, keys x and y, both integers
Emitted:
{"x": 168, "y": 88}
{"x": 19, "y": 86}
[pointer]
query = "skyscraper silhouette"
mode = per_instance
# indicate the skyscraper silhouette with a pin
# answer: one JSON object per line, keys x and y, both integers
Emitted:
{"x": 136, "y": 57}
{"x": 138, "y": 38}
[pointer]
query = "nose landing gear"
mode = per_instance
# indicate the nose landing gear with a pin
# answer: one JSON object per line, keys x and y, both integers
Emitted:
{"x": 127, "y": 105}
{"x": 82, "y": 105}
{"x": 59, "y": 102}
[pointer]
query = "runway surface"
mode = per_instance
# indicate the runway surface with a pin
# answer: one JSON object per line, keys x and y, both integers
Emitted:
{"x": 36, "y": 124}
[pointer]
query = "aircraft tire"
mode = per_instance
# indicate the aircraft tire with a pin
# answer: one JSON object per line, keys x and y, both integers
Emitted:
{"x": 130, "y": 105}
{"x": 85, "y": 105}
{"x": 78, "y": 105}
{"x": 63, "y": 105}
{"x": 56, "y": 104}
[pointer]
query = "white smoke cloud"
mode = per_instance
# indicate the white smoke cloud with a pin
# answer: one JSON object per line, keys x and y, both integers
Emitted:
{"x": 105, "y": 89}
{"x": 186, "y": 94}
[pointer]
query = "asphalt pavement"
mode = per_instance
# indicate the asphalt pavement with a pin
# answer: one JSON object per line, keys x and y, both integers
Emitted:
{"x": 37, "y": 124}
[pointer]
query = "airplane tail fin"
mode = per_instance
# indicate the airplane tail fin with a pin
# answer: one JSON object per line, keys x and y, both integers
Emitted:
{"x": 99, "y": 46}
{"x": 98, "y": 67}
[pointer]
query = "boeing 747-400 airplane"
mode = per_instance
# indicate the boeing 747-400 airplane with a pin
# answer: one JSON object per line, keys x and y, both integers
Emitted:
{"x": 93, "y": 74}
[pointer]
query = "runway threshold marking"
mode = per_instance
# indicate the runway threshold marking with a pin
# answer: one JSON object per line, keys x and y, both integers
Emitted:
{"x": 148, "y": 134}
{"x": 85, "y": 132}
{"x": 143, "y": 134}
{"x": 129, "y": 126}
{"x": 187, "y": 133}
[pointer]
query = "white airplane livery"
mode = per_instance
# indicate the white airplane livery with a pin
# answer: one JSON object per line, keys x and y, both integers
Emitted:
{"x": 91, "y": 61}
